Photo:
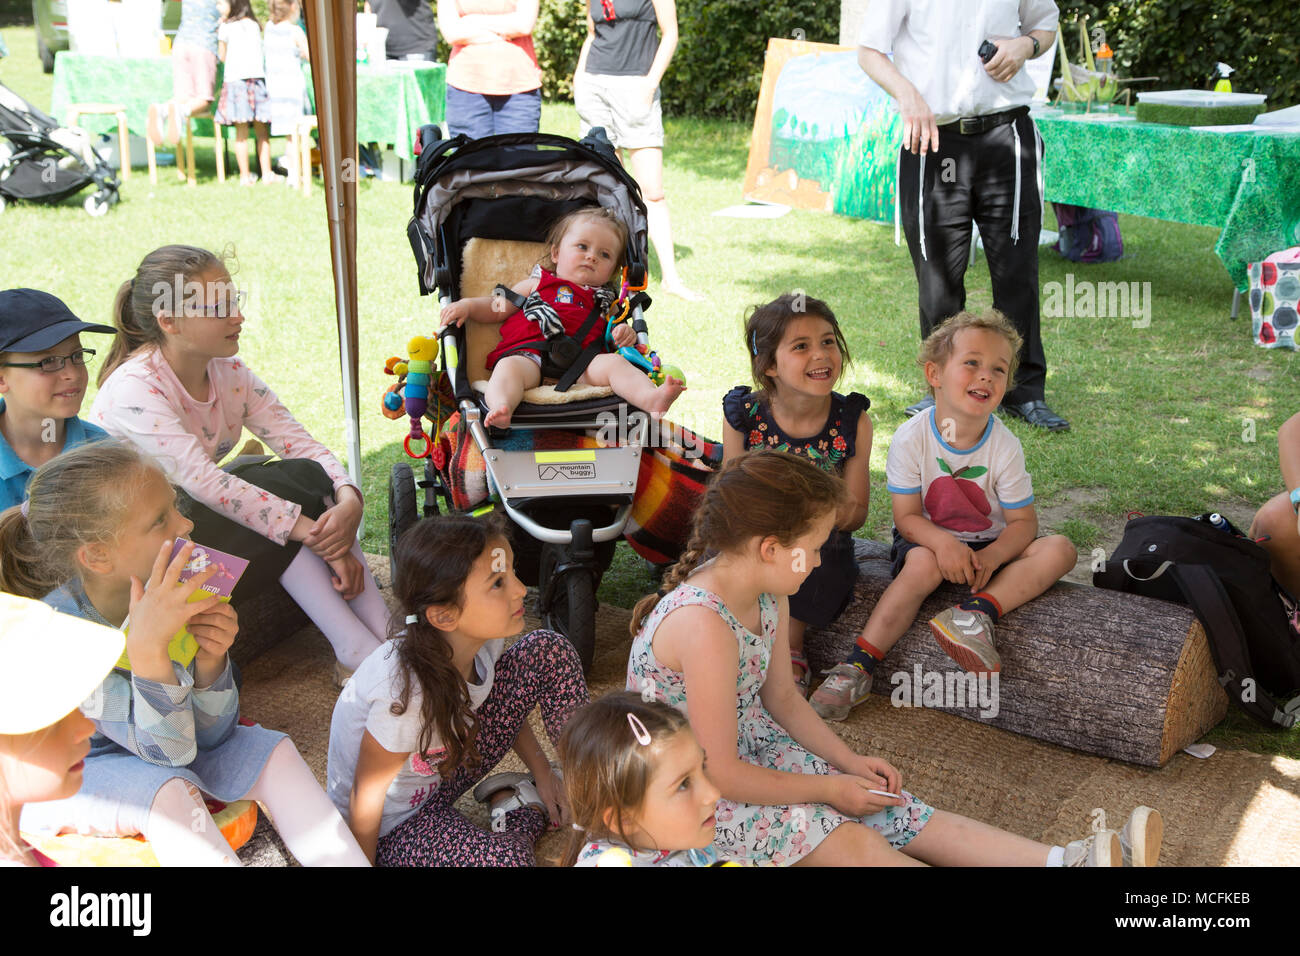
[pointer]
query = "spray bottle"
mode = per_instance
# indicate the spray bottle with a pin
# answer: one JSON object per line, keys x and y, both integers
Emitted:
{"x": 1224, "y": 85}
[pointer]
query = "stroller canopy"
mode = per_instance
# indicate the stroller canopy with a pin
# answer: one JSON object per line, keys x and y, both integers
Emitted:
{"x": 514, "y": 187}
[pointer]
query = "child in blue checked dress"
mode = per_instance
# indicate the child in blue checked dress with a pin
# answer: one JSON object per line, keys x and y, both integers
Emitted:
{"x": 792, "y": 791}
{"x": 102, "y": 518}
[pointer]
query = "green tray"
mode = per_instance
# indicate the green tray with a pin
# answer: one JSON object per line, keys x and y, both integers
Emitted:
{"x": 1197, "y": 115}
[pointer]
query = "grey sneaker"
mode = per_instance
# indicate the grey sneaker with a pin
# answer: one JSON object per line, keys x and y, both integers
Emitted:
{"x": 1141, "y": 837}
{"x": 967, "y": 637}
{"x": 845, "y": 686}
{"x": 1100, "y": 849}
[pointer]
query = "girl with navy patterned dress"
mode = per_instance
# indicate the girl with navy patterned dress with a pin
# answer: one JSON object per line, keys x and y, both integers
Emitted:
{"x": 797, "y": 354}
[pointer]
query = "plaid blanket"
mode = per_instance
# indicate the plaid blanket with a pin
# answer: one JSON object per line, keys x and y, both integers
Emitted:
{"x": 674, "y": 471}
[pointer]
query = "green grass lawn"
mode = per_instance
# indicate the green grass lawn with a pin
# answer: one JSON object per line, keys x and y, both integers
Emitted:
{"x": 1161, "y": 415}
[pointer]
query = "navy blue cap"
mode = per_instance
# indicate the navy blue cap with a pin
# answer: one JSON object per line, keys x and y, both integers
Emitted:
{"x": 33, "y": 321}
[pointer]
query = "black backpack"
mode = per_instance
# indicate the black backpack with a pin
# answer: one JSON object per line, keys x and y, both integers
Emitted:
{"x": 1208, "y": 565}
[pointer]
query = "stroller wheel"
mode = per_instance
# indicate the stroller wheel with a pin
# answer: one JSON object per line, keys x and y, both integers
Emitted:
{"x": 572, "y": 610}
{"x": 401, "y": 510}
{"x": 2, "y": 204}
{"x": 97, "y": 204}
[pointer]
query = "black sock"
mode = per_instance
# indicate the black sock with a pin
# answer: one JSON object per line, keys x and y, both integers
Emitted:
{"x": 981, "y": 604}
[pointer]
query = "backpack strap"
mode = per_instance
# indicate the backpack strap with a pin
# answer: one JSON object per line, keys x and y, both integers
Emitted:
{"x": 1206, "y": 597}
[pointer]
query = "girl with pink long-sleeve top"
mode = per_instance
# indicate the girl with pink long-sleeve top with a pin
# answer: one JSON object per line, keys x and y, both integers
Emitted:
{"x": 173, "y": 386}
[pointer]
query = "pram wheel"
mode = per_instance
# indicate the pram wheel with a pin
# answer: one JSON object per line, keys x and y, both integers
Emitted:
{"x": 401, "y": 511}
{"x": 566, "y": 598}
{"x": 97, "y": 204}
{"x": 2, "y": 204}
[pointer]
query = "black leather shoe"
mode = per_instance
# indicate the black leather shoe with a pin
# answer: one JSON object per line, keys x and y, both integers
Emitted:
{"x": 924, "y": 405}
{"x": 1037, "y": 414}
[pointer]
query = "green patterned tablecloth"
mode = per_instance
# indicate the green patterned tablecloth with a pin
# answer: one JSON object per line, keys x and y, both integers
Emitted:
{"x": 392, "y": 100}
{"x": 1247, "y": 184}
{"x": 395, "y": 99}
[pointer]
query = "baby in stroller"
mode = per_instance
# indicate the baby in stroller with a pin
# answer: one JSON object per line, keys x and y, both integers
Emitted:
{"x": 556, "y": 320}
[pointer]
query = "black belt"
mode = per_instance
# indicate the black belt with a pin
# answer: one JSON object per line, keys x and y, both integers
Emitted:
{"x": 973, "y": 125}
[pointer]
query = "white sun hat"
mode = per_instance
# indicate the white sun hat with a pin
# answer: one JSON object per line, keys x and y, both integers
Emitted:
{"x": 49, "y": 663}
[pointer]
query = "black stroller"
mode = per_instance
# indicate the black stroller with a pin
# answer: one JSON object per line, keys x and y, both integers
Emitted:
{"x": 41, "y": 161}
{"x": 482, "y": 210}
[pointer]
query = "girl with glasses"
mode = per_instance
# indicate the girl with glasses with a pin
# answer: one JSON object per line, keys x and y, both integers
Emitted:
{"x": 174, "y": 385}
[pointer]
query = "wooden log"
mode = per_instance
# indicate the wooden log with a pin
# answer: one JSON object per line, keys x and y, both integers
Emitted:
{"x": 1116, "y": 675}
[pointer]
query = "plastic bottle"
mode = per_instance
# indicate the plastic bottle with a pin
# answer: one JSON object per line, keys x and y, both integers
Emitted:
{"x": 1224, "y": 85}
{"x": 1105, "y": 60}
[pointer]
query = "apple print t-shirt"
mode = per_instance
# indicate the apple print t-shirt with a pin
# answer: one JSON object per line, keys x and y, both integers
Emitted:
{"x": 366, "y": 704}
{"x": 965, "y": 492}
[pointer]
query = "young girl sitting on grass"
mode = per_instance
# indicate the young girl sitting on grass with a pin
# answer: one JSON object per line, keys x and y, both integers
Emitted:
{"x": 637, "y": 788}
{"x": 797, "y": 354}
{"x": 792, "y": 791}
{"x": 174, "y": 386}
{"x": 102, "y": 519}
{"x": 49, "y": 664}
{"x": 427, "y": 714}
{"x": 584, "y": 250}
{"x": 963, "y": 512}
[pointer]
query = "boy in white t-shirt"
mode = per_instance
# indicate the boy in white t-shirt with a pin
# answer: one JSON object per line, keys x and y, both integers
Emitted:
{"x": 963, "y": 512}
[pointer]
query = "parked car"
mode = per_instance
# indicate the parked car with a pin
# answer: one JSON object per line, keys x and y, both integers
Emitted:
{"x": 51, "y": 18}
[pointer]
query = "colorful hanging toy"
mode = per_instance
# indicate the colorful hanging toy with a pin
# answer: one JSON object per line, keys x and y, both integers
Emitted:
{"x": 411, "y": 393}
{"x": 639, "y": 354}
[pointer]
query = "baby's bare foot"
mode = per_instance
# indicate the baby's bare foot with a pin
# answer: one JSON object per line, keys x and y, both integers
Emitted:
{"x": 499, "y": 417}
{"x": 665, "y": 395}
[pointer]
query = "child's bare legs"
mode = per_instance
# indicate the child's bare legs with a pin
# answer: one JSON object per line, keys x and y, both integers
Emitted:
{"x": 632, "y": 384}
{"x": 898, "y": 606}
{"x": 849, "y": 682}
{"x": 264, "y": 151}
{"x": 1039, "y": 566}
{"x": 855, "y": 844}
{"x": 241, "y": 152}
{"x": 1278, "y": 520}
{"x": 948, "y": 839}
{"x": 511, "y": 377}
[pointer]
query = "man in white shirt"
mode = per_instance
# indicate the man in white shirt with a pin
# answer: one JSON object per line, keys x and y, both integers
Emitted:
{"x": 970, "y": 152}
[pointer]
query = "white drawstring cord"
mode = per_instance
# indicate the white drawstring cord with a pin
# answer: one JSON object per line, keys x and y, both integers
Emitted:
{"x": 1015, "y": 205}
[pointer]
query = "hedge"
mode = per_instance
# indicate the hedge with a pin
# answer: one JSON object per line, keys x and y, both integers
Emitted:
{"x": 1180, "y": 41}
{"x": 719, "y": 61}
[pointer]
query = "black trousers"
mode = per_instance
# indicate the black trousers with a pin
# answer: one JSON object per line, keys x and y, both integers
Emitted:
{"x": 974, "y": 178}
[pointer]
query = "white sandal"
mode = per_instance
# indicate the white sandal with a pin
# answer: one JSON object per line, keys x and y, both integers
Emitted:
{"x": 524, "y": 793}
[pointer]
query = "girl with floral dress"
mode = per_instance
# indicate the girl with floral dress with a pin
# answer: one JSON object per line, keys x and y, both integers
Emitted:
{"x": 792, "y": 791}
{"x": 797, "y": 354}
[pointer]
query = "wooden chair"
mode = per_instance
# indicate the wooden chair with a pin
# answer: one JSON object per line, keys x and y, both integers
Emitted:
{"x": 78, "y": 110}
{"x": 185, "y": 157}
